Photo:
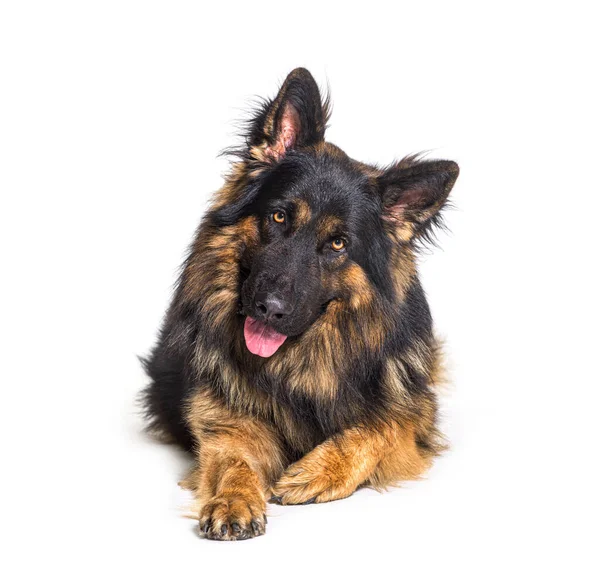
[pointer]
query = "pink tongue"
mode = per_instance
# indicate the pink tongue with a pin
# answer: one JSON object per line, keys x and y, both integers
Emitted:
{"x": 261, "y": 339}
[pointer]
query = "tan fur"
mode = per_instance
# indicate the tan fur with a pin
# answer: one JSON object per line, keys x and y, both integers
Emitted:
{"x": 218, "y": 253}
{"x": 241, "y": 462}
{"x": 399, "y": 230}
{"x": 404, "y": 269}
{"x": 403, "y": 460}
{"x": 235, "y": 181}
{"x": 303, "y": 214}
{"x": 378, "y": 456}
{"x": 238, "y": 458}
{"x": 361, "y": 301}
{"x": 329, "y": 149}
{"x": 328, "y": 227}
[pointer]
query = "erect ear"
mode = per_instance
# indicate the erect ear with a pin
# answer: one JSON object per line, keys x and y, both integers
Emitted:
{"x": 413, "y": 192}
{"x": 295, "y": 118}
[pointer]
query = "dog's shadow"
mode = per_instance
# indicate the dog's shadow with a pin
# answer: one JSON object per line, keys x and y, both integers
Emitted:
{"x": 138, "y": 434}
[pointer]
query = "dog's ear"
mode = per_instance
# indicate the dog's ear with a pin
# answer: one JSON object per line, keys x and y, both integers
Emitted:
{"x": 297, "y": 117}
{"x": 413, "y": 193}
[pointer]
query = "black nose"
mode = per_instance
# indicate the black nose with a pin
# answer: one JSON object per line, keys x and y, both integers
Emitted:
{"x": 272, "y": 306}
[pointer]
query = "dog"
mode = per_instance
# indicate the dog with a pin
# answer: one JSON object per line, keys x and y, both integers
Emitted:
{"x": 297, "y": 361}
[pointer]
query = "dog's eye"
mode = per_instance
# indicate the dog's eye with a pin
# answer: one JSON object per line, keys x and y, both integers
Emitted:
{"x": 279, "y": 217}
{"x": 338, "y": 244}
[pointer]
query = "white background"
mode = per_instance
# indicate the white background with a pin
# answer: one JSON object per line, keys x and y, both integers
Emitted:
{"x": 112, "y": 115}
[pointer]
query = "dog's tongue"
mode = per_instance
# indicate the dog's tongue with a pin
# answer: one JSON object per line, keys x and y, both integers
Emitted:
{"x": 261, "y": 339}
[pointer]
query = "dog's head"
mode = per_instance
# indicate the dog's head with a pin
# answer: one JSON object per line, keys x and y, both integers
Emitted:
{"x": 329, "y": 227}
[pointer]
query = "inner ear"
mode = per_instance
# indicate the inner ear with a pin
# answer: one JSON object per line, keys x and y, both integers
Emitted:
{"x": 414, "y": 197}
{"x": 286, "y": 134}
{"x": 295, "y": 118}
{"x": 413, "y": 192}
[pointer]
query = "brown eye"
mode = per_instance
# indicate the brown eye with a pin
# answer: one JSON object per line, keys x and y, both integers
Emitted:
{"x": 338, "y": 244}
{"x": 279, "y": 217}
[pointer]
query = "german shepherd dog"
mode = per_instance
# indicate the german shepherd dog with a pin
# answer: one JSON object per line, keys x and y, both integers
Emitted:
{"x": 297, "y": 361}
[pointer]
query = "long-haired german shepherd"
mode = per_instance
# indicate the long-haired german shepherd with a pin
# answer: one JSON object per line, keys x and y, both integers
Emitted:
{"x": 297, "y": 359}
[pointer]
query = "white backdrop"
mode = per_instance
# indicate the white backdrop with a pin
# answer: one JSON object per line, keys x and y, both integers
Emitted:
{"x": 112, "y": 115}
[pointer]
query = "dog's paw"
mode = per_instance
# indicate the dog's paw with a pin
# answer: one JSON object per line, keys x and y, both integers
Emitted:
{"x": 233, "y": 517}
{"x": 312, "y": 479}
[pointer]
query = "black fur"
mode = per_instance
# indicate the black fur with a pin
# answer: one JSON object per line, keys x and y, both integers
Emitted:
{"x": 366, "y": 201}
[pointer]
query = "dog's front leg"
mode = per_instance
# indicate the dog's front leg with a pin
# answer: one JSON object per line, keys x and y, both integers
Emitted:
{"x": 376, "y": 456}
{"x": 238, "y": 460}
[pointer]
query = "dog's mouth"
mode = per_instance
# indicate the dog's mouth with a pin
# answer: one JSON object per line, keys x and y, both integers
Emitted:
{"x": 262, "y": 340}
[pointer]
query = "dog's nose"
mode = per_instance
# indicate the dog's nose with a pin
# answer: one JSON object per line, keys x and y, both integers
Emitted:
{"x": 272, "y": 306}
